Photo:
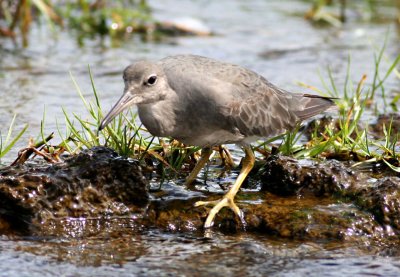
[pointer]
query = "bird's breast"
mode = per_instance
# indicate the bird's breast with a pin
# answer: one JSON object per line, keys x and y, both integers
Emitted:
{"x": 191, "y": 118}
{"x": 158, "y": 118}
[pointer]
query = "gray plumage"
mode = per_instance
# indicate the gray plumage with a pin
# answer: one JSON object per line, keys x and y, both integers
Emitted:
{"x": 204, "y": 102}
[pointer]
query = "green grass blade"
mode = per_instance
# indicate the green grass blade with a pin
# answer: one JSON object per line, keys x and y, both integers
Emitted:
{"x": 13, "y": 141}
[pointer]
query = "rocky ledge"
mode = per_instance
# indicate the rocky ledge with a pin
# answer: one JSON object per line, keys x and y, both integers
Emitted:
{"x": 97, "y": 189}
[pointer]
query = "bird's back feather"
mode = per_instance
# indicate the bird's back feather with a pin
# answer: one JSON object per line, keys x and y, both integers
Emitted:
{"x": 240, "y": 100}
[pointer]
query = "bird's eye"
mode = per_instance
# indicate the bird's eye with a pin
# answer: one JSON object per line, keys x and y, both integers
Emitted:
{"x": 152, "y": 80}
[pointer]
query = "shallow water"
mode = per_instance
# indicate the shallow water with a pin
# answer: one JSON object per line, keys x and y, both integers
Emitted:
{"x": 270, "y": 37}
{"x": 159, "y": 254}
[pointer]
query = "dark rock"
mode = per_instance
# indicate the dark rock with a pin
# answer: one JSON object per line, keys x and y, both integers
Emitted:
{"x": 99, "y": 193}
{"x": 313, "y": 218}
{"x": 361, "y": 207}
{"x": 286, "y": 176}
{"x": 96, "y": 182}
{"x": 382, "y": 199}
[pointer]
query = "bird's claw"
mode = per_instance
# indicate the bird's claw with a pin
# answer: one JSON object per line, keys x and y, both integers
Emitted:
{"x": 226, "y": 201}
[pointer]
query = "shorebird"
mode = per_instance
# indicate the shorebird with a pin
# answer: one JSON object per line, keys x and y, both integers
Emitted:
{"x": 204, "y": 102}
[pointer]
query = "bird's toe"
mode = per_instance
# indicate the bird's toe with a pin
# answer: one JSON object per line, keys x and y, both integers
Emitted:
{"x": 226, "y": 201}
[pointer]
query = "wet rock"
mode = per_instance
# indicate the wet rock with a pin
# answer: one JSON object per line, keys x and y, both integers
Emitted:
{"x": 336, "y": 202}
{"x": 96, "y": 182}
{"x": 382, "y": 199}
{"x": 98, "y": 193}
{"x": 313, "y": 218}
{"x": 307, "y": 218}
{"x": 286, "y": 176}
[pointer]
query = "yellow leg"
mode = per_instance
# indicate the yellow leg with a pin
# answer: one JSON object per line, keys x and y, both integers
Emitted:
{"x": 205, "y": 155}
{"x": 228, "y": 199}
{"x": 226, "y": 157}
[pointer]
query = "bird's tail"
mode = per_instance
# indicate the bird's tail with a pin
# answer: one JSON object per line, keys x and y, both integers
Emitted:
{"x": 309, "y": 105}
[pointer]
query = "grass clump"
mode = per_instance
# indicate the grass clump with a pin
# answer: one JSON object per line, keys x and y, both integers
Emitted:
{"x": 125, "y": 135}
{"x": 346, "y": 137}
{"x": 349, "y": 136}
{"x": 111, "y": 18}
{"x": 336, "y": 13}
{"x": 87, "y": 18}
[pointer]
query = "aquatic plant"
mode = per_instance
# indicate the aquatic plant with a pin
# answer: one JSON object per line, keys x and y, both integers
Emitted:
{"x": 87, "y": 18}
{"x": 20, "y": 15}
{"x": 346, "y": 137}
{"x": 334, "y": 13}
{"x": 125, "y": 135}
{"x": 7, "y": 143}
{"x": 113, "y": 18}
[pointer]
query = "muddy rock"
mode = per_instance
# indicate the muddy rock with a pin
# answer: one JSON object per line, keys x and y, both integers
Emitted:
{"x": 97, "y": 193}
{"x": 306, "y": 218}
{"x": 286, "y": 176}
{"x": 96, "y": 182}
{"x": 382, "y": 199}
{"x": 313, "y": 218}
{"x": 336, "y": 201}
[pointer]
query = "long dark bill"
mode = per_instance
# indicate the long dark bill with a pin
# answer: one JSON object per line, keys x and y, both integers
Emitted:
{"x": 124, "y": 102}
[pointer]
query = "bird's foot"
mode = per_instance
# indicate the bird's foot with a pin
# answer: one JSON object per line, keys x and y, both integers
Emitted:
{"x": 226, "y": 201}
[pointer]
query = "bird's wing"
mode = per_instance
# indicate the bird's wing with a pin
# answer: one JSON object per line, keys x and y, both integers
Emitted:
{"x": 238, "y": 99}
{"x": 264, "y": 112}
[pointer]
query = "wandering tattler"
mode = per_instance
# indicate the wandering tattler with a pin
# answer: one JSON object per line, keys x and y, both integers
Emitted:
{"x": 204, "y": 102}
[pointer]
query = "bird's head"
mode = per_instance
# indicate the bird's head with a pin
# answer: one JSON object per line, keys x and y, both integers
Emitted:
{"x": 145, "y": 83}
